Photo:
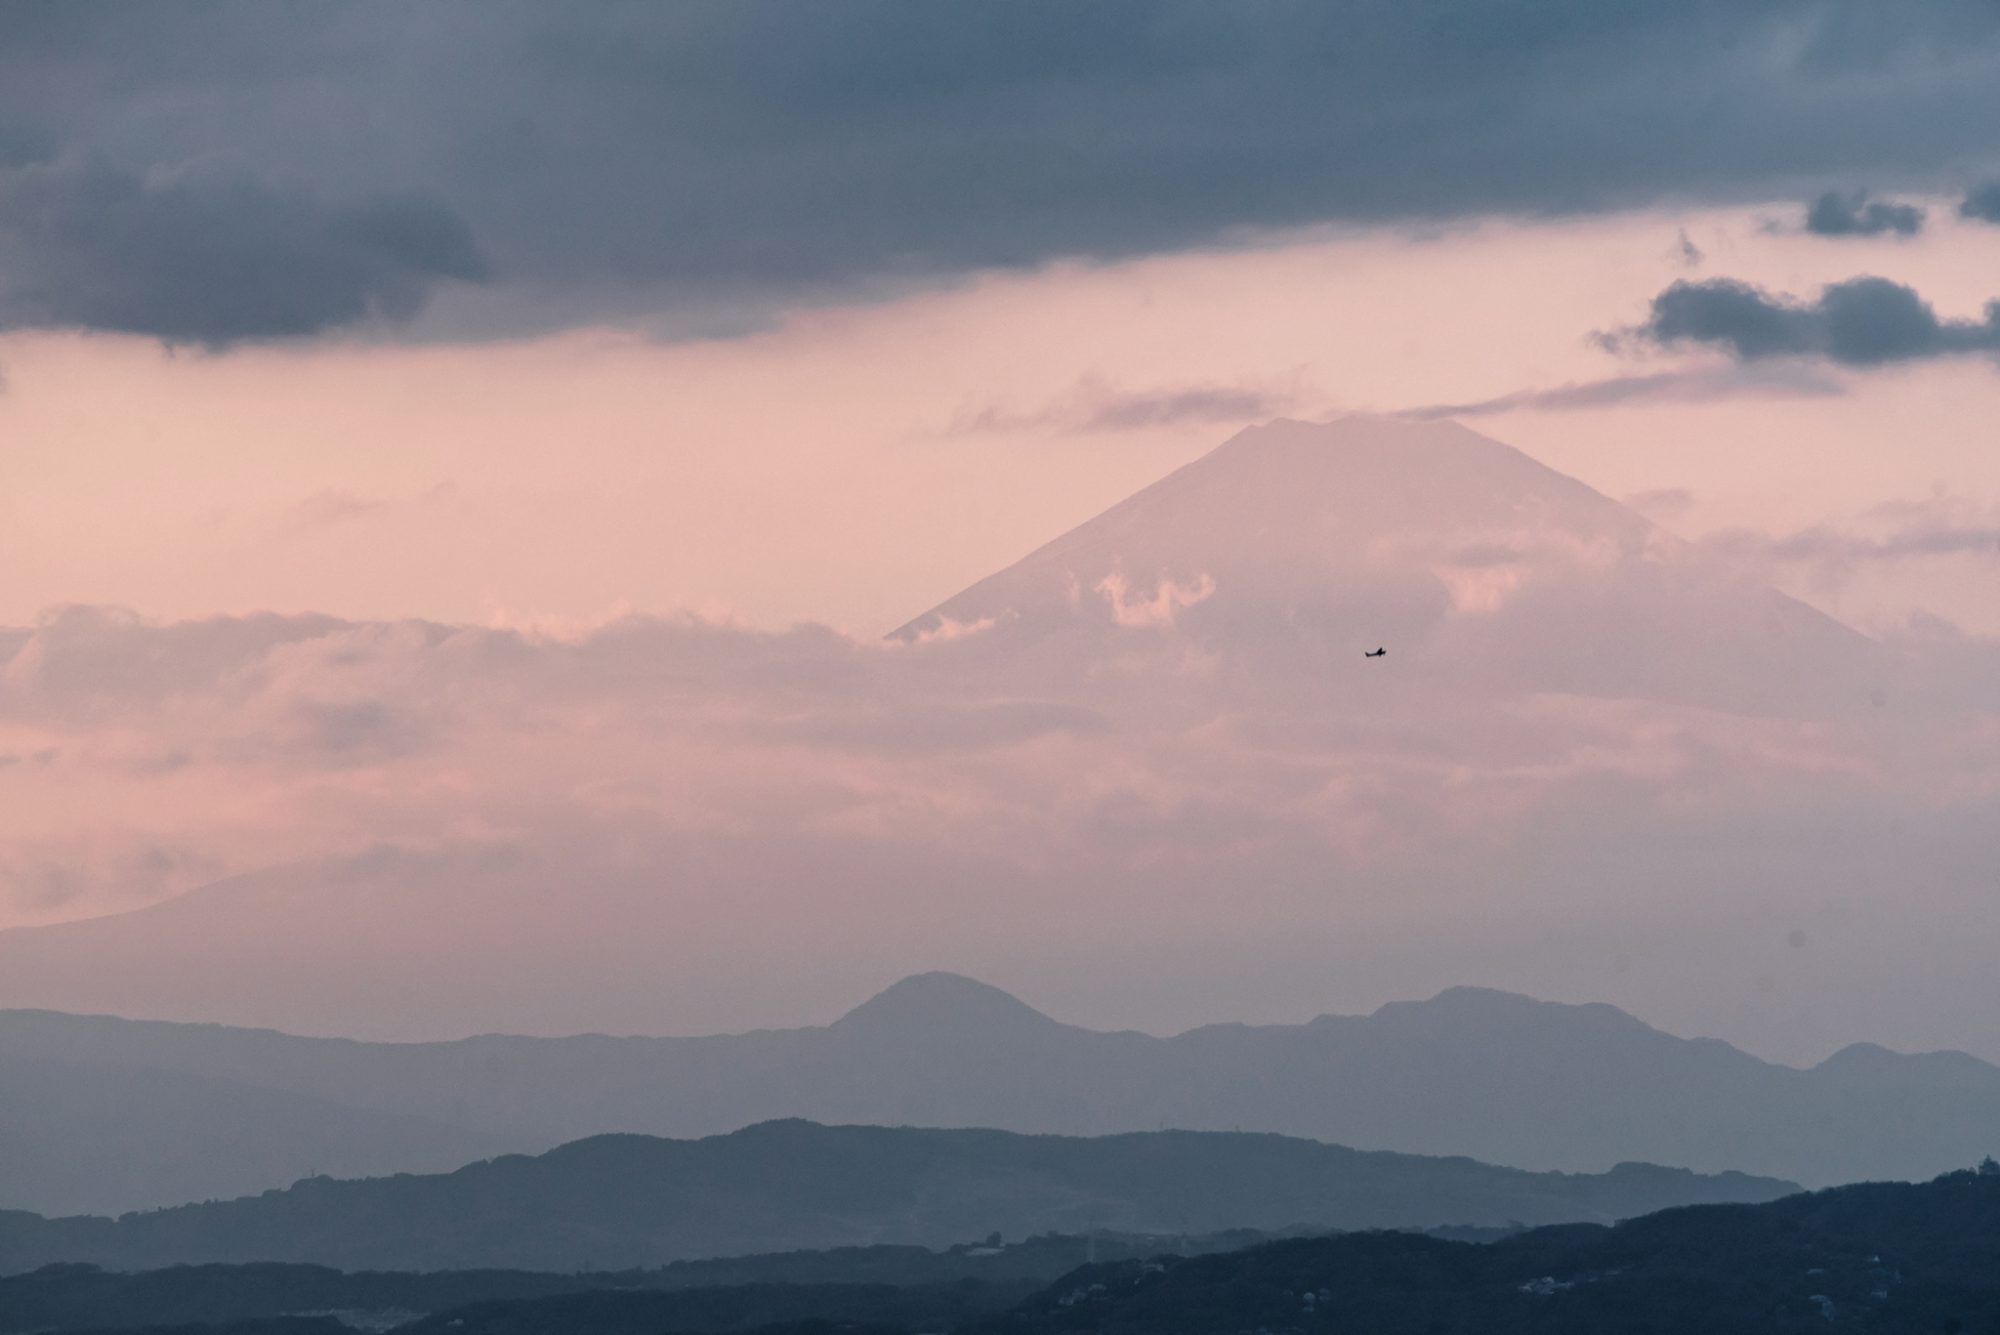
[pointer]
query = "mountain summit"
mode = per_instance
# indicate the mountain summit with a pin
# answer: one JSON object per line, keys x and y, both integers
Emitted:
{"x": 930, "y": 1002}
{"x": 1296, "y": 545}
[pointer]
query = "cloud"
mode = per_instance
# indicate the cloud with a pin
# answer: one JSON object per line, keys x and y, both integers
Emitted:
{"x": 115, "y": 866}
{"x": 1939, "y": 525}
{"x": 1663, "y": 504}
{"x": 1854, "y": 214}
{"x": 330, "y": 506}
{"x": 1157, "y": 609}
{"x": 1092, "y": 405}
{"x": 1828, "y": 545}
{"x": 1864, "y": 321}
{"x": 938, "y": 728}
{"x": 215, "y": 259}
{"x": 671, "y": 798}
{"x": 1982, "y": 203}
{"x": 1698, "y": 386}
{"x": 708, "y": 167}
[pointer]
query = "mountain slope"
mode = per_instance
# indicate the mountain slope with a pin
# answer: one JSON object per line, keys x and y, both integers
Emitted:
{"x": 632, "y": 1200}
{"x": 1503, "y": 1078}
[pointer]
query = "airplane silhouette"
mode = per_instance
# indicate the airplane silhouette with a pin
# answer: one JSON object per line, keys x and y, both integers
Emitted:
{"x": 1374, "y": 653}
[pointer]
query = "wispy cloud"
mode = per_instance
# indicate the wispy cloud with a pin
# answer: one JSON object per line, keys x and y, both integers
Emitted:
{"x": 331, "y": 507}
{"x": 1095, "y": 405}
{"x": 323, "y": 509}
{"x": 1940, "y": 525}
{"x": 1661, "y": 503}
{"x": 1693, "y": 386}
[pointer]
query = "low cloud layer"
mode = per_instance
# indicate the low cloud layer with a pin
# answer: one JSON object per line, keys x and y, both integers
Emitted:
{"x": 1853, "y": 213}
{"x": 215, "y": 173}
{"x": 1864, "y": 321}
{"x": 696, "y": 818}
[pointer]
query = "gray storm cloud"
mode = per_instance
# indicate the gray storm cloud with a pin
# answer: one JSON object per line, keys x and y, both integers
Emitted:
{"x": 195, "y": 257}
{"x": 1982, "y": 203}
{"x": 1864, "y": 321}
{"x": 1855, "y": 214}
{"x": 205, "y": 172}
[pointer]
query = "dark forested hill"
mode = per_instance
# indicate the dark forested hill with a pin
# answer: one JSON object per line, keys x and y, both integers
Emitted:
{"x": 987, "y": 1274}
{"x": 1887, "y": 1259}
{"x": 616, "y": 1201}
{"x": 1894, "y": 1259}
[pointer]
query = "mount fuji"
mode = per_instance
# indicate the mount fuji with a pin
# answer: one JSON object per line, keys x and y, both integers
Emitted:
{"x": 1294, "y": 547}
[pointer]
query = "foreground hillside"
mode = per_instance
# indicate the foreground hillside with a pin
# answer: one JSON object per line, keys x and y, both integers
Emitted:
{"x": 1887, "y": 1258}
{"x": 1893, "y": 1259}
{"x": 1501, "y": 1078}
{"x": 956, "y": 1281}
{"x": 617, "y": 1201}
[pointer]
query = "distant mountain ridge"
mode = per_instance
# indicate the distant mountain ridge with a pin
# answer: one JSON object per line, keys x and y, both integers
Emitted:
{"x": 1502, "y": 1078}
{"x": 624, "y": 1201}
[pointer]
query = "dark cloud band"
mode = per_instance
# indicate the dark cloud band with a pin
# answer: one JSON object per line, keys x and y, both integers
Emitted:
{"x": 195, "y": 258}
{"x": 705, "y": 164}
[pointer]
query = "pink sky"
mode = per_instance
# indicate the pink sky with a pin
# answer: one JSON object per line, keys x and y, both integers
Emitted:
{"x": 857, "y": 464}
{"x": 813, "y": 473}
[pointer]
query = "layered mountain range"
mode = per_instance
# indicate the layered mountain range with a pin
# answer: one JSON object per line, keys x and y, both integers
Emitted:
{"x": 632, "y": 1201}
{"x": 104, "y": 1115}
